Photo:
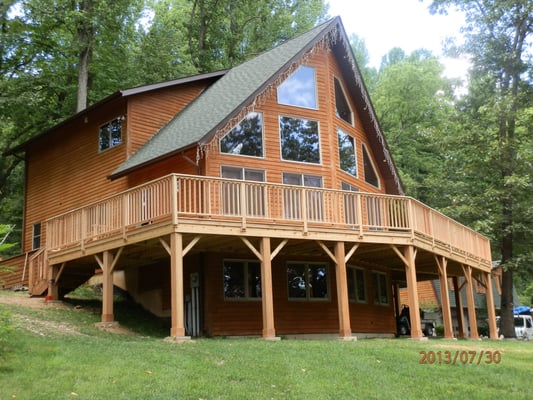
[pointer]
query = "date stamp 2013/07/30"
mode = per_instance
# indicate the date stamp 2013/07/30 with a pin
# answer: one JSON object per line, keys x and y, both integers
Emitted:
{"x": 475, "y": 357}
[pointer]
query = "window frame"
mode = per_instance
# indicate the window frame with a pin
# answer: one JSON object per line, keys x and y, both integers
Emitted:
{"x": 36, "y": 235}
{"x": 287, "y": 80}
{"x": 281, "y": 141}
{"x": 352, "y": 277}
{"x": 245, "y": 264}
{"x": 307, "y": 277}
{"x": 235, "y": 127}
{"x": 343, "y": 93}
{"x": 111, "y": 144}
{"x": 231, "y": 203}
{"x": 354, "y": 148}
{"x": 316, "y": 198}
{"x": 380, "y": 277}
{"x": 371, "y": 164}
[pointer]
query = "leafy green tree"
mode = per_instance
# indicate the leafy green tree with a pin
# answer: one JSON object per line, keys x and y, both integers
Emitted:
{"x": 496, "y": 155}
{"x": 414, "y": 103}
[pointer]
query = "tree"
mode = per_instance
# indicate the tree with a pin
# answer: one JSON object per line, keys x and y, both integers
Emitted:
{"x": 498, "y": 41}
{"x": 414, "y": 103}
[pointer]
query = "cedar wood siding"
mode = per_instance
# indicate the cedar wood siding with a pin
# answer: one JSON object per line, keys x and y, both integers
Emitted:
{"x": 244, "y": 317}
{"x": 65, "y": 170}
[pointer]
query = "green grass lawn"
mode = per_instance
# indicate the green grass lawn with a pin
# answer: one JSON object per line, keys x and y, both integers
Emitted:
{"x": 58, "y": 353}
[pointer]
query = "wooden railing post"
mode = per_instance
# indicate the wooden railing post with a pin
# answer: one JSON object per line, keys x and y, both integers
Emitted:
{"x": 174, "y": 199}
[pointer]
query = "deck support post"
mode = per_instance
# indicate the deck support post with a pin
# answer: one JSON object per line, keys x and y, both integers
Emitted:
{"x": 53, "y": 287}
{"x": 493, "y": 333}
{"x": 345, "y": 330}
{"x": 107, "y": 287}
{"x": 269, "y": 331}
{"x": 442, "y": 264}
{"x": 412, "y": 290}
{"x": 177, "y": 329}
{"x": 459, "y": 309}
{"x": 471, "y": 304}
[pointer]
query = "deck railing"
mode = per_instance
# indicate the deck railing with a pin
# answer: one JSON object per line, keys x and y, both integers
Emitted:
{"x": 176, "y": 197}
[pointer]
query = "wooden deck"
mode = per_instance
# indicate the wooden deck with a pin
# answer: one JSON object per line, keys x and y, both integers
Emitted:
{"x": 224, "y": 210}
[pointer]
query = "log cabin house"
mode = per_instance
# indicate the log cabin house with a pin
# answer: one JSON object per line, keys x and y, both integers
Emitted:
{"x": 261, "y": 200}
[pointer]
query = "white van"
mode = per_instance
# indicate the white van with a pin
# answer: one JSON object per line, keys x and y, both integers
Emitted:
{"x": 523, "y": 326}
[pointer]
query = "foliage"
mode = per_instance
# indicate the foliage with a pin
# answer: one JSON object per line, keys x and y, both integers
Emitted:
{"x": 495, "y": 140}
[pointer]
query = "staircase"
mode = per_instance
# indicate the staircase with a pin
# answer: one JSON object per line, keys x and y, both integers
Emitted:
{"x": 38, "y": 277}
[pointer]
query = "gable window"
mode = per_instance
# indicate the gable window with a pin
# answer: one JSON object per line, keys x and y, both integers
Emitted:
{"x": 356, "y": 284}
{"x": 242, "y": 279}
{"x": 36, "y": 236}
{"x": 307, "y": 281}
{"x": 299, "y": 89}
{"x": 381, "y": 289}
{"x": 371, "y": 175}
{"x": 292, "y": 197}
{"x": 110, "y": 134}
{"x": 342, "y": 107}
{"x": 299, "y": 140}
{"x": 246, "y": 138}
{"x": 347, "y": 158}
{"x": 254, "y": 201}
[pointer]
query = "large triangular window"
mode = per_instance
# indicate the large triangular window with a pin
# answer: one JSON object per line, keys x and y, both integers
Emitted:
{"x": 246, "y": 138}
{"x": 299, "y": 89}
{"x": 371, "y": 175}
{"x": 342, "y": 107}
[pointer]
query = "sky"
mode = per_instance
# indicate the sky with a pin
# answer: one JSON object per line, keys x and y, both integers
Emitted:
{"x": 407, "y": 24}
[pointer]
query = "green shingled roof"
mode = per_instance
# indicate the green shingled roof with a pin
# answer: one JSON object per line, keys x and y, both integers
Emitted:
{"x": 223, "y": 99}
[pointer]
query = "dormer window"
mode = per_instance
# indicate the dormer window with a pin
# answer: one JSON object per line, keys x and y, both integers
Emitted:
{"x": 342, "y": 107}
{"x": 246, "y": 138}
{"x": 110, "y": 134}
{"x": 299, "y": 89}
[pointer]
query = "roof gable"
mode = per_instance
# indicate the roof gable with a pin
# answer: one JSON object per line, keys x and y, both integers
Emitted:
{"x": 224, "y": 100}
{"x": 239, "y": 90}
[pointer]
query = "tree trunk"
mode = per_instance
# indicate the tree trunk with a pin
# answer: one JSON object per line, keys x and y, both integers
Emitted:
{"x": 85, "y": 32}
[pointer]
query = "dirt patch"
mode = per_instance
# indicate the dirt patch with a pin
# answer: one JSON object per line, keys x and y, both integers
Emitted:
{"x": 43, "y": 327}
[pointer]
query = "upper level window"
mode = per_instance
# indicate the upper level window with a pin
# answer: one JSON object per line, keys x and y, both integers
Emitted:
{"x": 299, "y": 89}
{"x": 347, "y": 157}
{"x": 342, "y": 107}
{"x": 307, "y": 281}
{"x": 254, "y": 200}
{"x": 242, "y": 279}
{"x": 246, "y": 138}
{"x": 370, "y": 172}
{"x": 110, "y": 134}
{"x": 299, "y": 140}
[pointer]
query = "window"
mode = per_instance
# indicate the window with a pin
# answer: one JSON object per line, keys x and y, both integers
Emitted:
{"x": 370, "y": 172}
{"x": 292, "y": 197}
{"x": 299, "y": 89}
{"x": 110, "y": 134}
{"x": 242, "y": 279}
{"x": 36, "y": 236}
{"x": 381, "y": 289}
{"x": 299, "y": 140}
{"x": 350, "y": 204}
{"x": 246, "y": 138}
{"x": 231, "y": 191}
{"x": 356, "y": 284}
{"x": 347, "y": 158}
{"x": 342, "y": 107}
{"x": 307, "y": 281}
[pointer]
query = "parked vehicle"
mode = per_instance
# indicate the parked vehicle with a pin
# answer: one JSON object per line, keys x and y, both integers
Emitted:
{"x": 523, "y": 326}
{"x": 403, "y": 323}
